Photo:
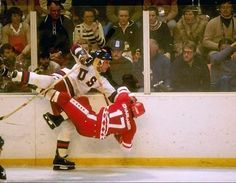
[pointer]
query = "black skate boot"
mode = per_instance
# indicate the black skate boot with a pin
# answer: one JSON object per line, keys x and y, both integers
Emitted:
{"x": 60, "y": 163}
{"x": 52, "y": 120}
{"x": 3, "y": 175}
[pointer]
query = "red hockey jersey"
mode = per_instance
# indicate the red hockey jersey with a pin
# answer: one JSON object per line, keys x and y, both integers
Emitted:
{"x": 114, "y": 119}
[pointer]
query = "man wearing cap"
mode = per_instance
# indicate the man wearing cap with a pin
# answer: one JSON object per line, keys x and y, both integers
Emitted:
{"x": 121, "y": 69}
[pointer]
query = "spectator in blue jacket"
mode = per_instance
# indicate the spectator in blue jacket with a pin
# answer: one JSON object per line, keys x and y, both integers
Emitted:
{"x": 160, "y": 68}
{"x": 223, "y": 66}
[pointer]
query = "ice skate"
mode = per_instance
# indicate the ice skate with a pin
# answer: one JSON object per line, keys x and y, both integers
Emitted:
{"x": 60, "y": 163}
{"x": 52, "y": 120}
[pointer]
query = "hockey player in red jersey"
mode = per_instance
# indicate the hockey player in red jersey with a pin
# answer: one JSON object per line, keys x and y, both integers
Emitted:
{"x": 84, "y": 76}
{"x": 117, "y": 118}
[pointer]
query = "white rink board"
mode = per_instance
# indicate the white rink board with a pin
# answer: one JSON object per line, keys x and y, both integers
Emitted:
{"x": 174, "y": 125}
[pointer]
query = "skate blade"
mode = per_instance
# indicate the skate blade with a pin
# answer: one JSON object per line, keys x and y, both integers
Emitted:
{"x": 49, "y": 122}
{"x": 63, "y": 167}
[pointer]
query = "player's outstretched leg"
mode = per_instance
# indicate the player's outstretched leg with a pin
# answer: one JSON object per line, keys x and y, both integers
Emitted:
{"x": 61, "y": 163}
{"x": 53, "y": 121}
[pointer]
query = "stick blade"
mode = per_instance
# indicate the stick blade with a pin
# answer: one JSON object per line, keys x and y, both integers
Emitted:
{"x": 2, "y": 117}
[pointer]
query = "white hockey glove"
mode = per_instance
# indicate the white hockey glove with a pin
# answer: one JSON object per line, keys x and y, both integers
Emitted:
{"x": 81, "y": 55}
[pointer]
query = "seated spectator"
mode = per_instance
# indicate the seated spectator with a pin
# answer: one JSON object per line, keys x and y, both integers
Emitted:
{"x": 206, "y": 9}
{"x": 55, "y": 33}
{"x": 25, "y": 7}
{"x": 41, "y": 8}
{"x": 160, "y": 32}
{"x": 90, "y": 30}
{"x": 120, "y": 67}
{"x": 8, "y": 57}
{"x": 99, "y": 6}
{"x": 127, "y": 31}
{"x": 134, "y": 7}
{"x": 17, "y": 33}
{"x": 168, "y": 10}
{"x": 46, "y": 66}
{"x": 9, "y": 54}
{"x": 223, "y": 66}
{"x": 160, "y": 68}
{"x": 138, "y": 72}
{"x": 189, "y": 27}
{"x": 222, "y": 26}
{"x": 189, "y": 71}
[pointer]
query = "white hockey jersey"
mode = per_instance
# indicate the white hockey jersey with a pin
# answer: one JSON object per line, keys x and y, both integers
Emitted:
{"x": 84, "y": 78}
{"x": 79, "y": 81}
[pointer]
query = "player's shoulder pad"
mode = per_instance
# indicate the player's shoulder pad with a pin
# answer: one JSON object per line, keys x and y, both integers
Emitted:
{"x": 123, "y": 89}
{"x": 122, "y": 94}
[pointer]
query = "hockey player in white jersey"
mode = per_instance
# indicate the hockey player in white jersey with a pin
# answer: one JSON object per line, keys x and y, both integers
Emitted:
{"x": 85, "y": 76}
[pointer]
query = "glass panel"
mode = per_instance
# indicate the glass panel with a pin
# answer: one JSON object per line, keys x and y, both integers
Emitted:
{"x": 179, "y": 31}
{"x": 120, "y": 32}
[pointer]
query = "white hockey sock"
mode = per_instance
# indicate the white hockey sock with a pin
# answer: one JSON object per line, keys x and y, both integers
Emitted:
{"x": 18, "y": 76}
{"x": 64, "y": 115}
{"x": 52, "y": 95}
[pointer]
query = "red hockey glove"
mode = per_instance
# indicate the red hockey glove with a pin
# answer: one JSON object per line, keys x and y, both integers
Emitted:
{"x": 137, "y": 109}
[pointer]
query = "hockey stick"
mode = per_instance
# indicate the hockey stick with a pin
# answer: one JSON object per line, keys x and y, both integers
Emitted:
{"x": 38, "y": 94}
{"x": 107, "y": 102}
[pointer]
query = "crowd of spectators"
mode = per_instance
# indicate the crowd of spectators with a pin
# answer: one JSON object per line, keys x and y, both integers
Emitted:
{"x": 192, "y": 43}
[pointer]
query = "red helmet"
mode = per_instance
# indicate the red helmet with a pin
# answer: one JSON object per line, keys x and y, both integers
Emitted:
{"x": 137, "y": 109}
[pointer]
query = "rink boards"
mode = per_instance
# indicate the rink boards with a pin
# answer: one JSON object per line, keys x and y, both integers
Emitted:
{"x": 178, "y": 129}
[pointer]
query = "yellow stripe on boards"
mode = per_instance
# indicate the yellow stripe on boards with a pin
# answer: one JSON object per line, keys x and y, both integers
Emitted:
{"x": 159, "y": 162}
